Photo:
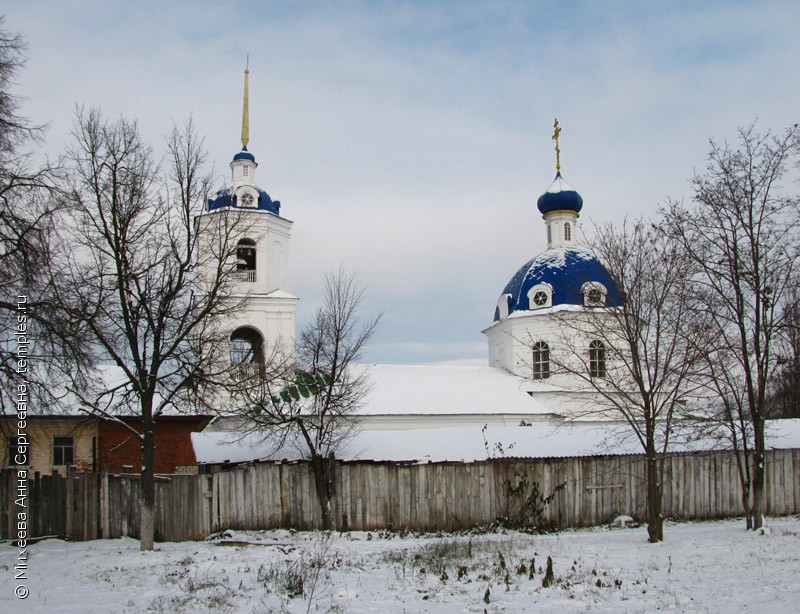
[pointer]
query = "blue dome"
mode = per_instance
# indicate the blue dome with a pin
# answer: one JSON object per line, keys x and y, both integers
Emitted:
{"x": 226, "y": 198}
{"x": 244, "y": 155}
{"x": 559, "y": 197}
{"x": 566, "y": 270}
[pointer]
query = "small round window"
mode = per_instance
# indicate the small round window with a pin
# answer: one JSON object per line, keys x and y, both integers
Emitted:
{"x": 540, "y": 298}
{"x": 594, "y": 297}
{"x": 247, "y": 199}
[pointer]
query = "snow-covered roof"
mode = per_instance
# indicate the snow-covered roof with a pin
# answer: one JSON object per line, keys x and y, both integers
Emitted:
{"x": 108, "y": 377}
{"x": 437, "y": 389}
{"x": 467, "y": 443}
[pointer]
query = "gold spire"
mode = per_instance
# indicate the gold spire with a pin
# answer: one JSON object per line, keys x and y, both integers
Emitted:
{"x": 556, "y": 132}
{"x": 246, "y": 106}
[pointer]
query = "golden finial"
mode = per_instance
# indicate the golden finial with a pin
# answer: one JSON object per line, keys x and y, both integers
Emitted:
{"x": 556, "y": 132}
{"x": 246, "y": 106}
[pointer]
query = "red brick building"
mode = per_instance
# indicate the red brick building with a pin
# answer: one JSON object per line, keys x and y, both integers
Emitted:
{"x": 119, "y": 450}
{"x": 90, "y": 443}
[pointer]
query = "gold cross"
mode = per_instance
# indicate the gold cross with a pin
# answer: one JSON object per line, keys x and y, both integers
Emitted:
{"x": 556, "y": 133}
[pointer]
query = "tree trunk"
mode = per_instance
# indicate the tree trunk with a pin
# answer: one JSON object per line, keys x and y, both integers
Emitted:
{"x": 759, "y": 475}
{"x": 741, "y": 450}
{"x": 746, "y": 505}
{"x": 147, "y": 526}
{"x": 655, "y": 521}
{"x": 323, "y": 478}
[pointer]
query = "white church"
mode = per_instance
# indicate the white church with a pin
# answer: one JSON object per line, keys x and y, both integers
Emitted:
{"x": 518, "y": 405}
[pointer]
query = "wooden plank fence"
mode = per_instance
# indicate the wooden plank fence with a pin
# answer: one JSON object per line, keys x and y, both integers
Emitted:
{"x": 584, "y": 491}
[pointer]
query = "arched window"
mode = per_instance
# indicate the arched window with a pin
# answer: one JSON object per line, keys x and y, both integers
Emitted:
{"x": 246, "y": 260}
{"x": 597, "y": 359}
{"x": 541, "y": 360}
{"x": 567, "y": 232}
{"x": 247, "y": 346}
{"x": 549, "y": 235}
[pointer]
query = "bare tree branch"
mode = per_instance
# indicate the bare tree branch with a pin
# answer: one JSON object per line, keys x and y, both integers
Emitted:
{"x": 146, "y": 275}
{"x": 637, "y": 359}
{"x": 743, "y": 236}
{"x": 315, "y": 402}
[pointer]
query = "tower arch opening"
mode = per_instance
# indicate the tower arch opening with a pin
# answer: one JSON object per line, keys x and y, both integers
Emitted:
{"x": 246, "y": 260}
{"x": 246, "y": 346}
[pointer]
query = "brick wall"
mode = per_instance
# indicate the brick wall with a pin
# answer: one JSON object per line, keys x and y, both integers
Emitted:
{"x": 120, "y": 448}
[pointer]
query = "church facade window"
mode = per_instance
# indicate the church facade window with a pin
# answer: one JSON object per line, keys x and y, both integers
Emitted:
{"x": 594, "y": 297}
{"x": 540, "y": 298}
{"x": 247, "y": 353}
{"x": 594, "y": 294}
{"x": 246, "y": 261}
{"x": 245, "y": 171}
{"x": 540, "y": 295}
{"x": 246, "y": 346}
{"x": 597, "y": 359}
{"x": 541, "y": 360}
{"x": 567, "y": 232}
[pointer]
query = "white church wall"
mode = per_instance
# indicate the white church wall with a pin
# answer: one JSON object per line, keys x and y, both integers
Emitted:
{"x": 567, "y": 330}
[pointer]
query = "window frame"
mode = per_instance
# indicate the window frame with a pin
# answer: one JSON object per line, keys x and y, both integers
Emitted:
{"x": 247, "y": 200}
{"x": 540, "y": 360}
{"x": 594, "y": 294}
{"x": 597, "y": 359}
{"x": 12, "y": 442}
{"x": 540, "y": 294}
{"x": 544, "y": 288}
{"x": 63, "y": 451}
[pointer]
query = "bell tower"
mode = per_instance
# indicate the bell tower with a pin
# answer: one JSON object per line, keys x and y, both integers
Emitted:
{"x": 262, "y": 326}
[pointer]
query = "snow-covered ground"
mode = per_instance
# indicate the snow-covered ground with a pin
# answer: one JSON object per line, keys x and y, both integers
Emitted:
{"x": 702, "y": 567}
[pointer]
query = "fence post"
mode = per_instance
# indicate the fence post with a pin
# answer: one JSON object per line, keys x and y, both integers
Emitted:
{"x": 103, "y": 513}
{"x": 70, "y": 503}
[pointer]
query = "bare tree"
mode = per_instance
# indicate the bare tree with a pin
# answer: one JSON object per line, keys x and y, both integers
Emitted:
{"x": 637, "y": 358}
{"x": 315, "y": 401}
{"x": 742, "y": 235}
{"x": 142, "y": 276}
{"x": 27, "y": 221}
{"x": 784, "y": 388}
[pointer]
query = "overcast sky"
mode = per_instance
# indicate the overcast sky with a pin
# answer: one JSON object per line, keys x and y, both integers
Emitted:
{"x": 410, "y": 141}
